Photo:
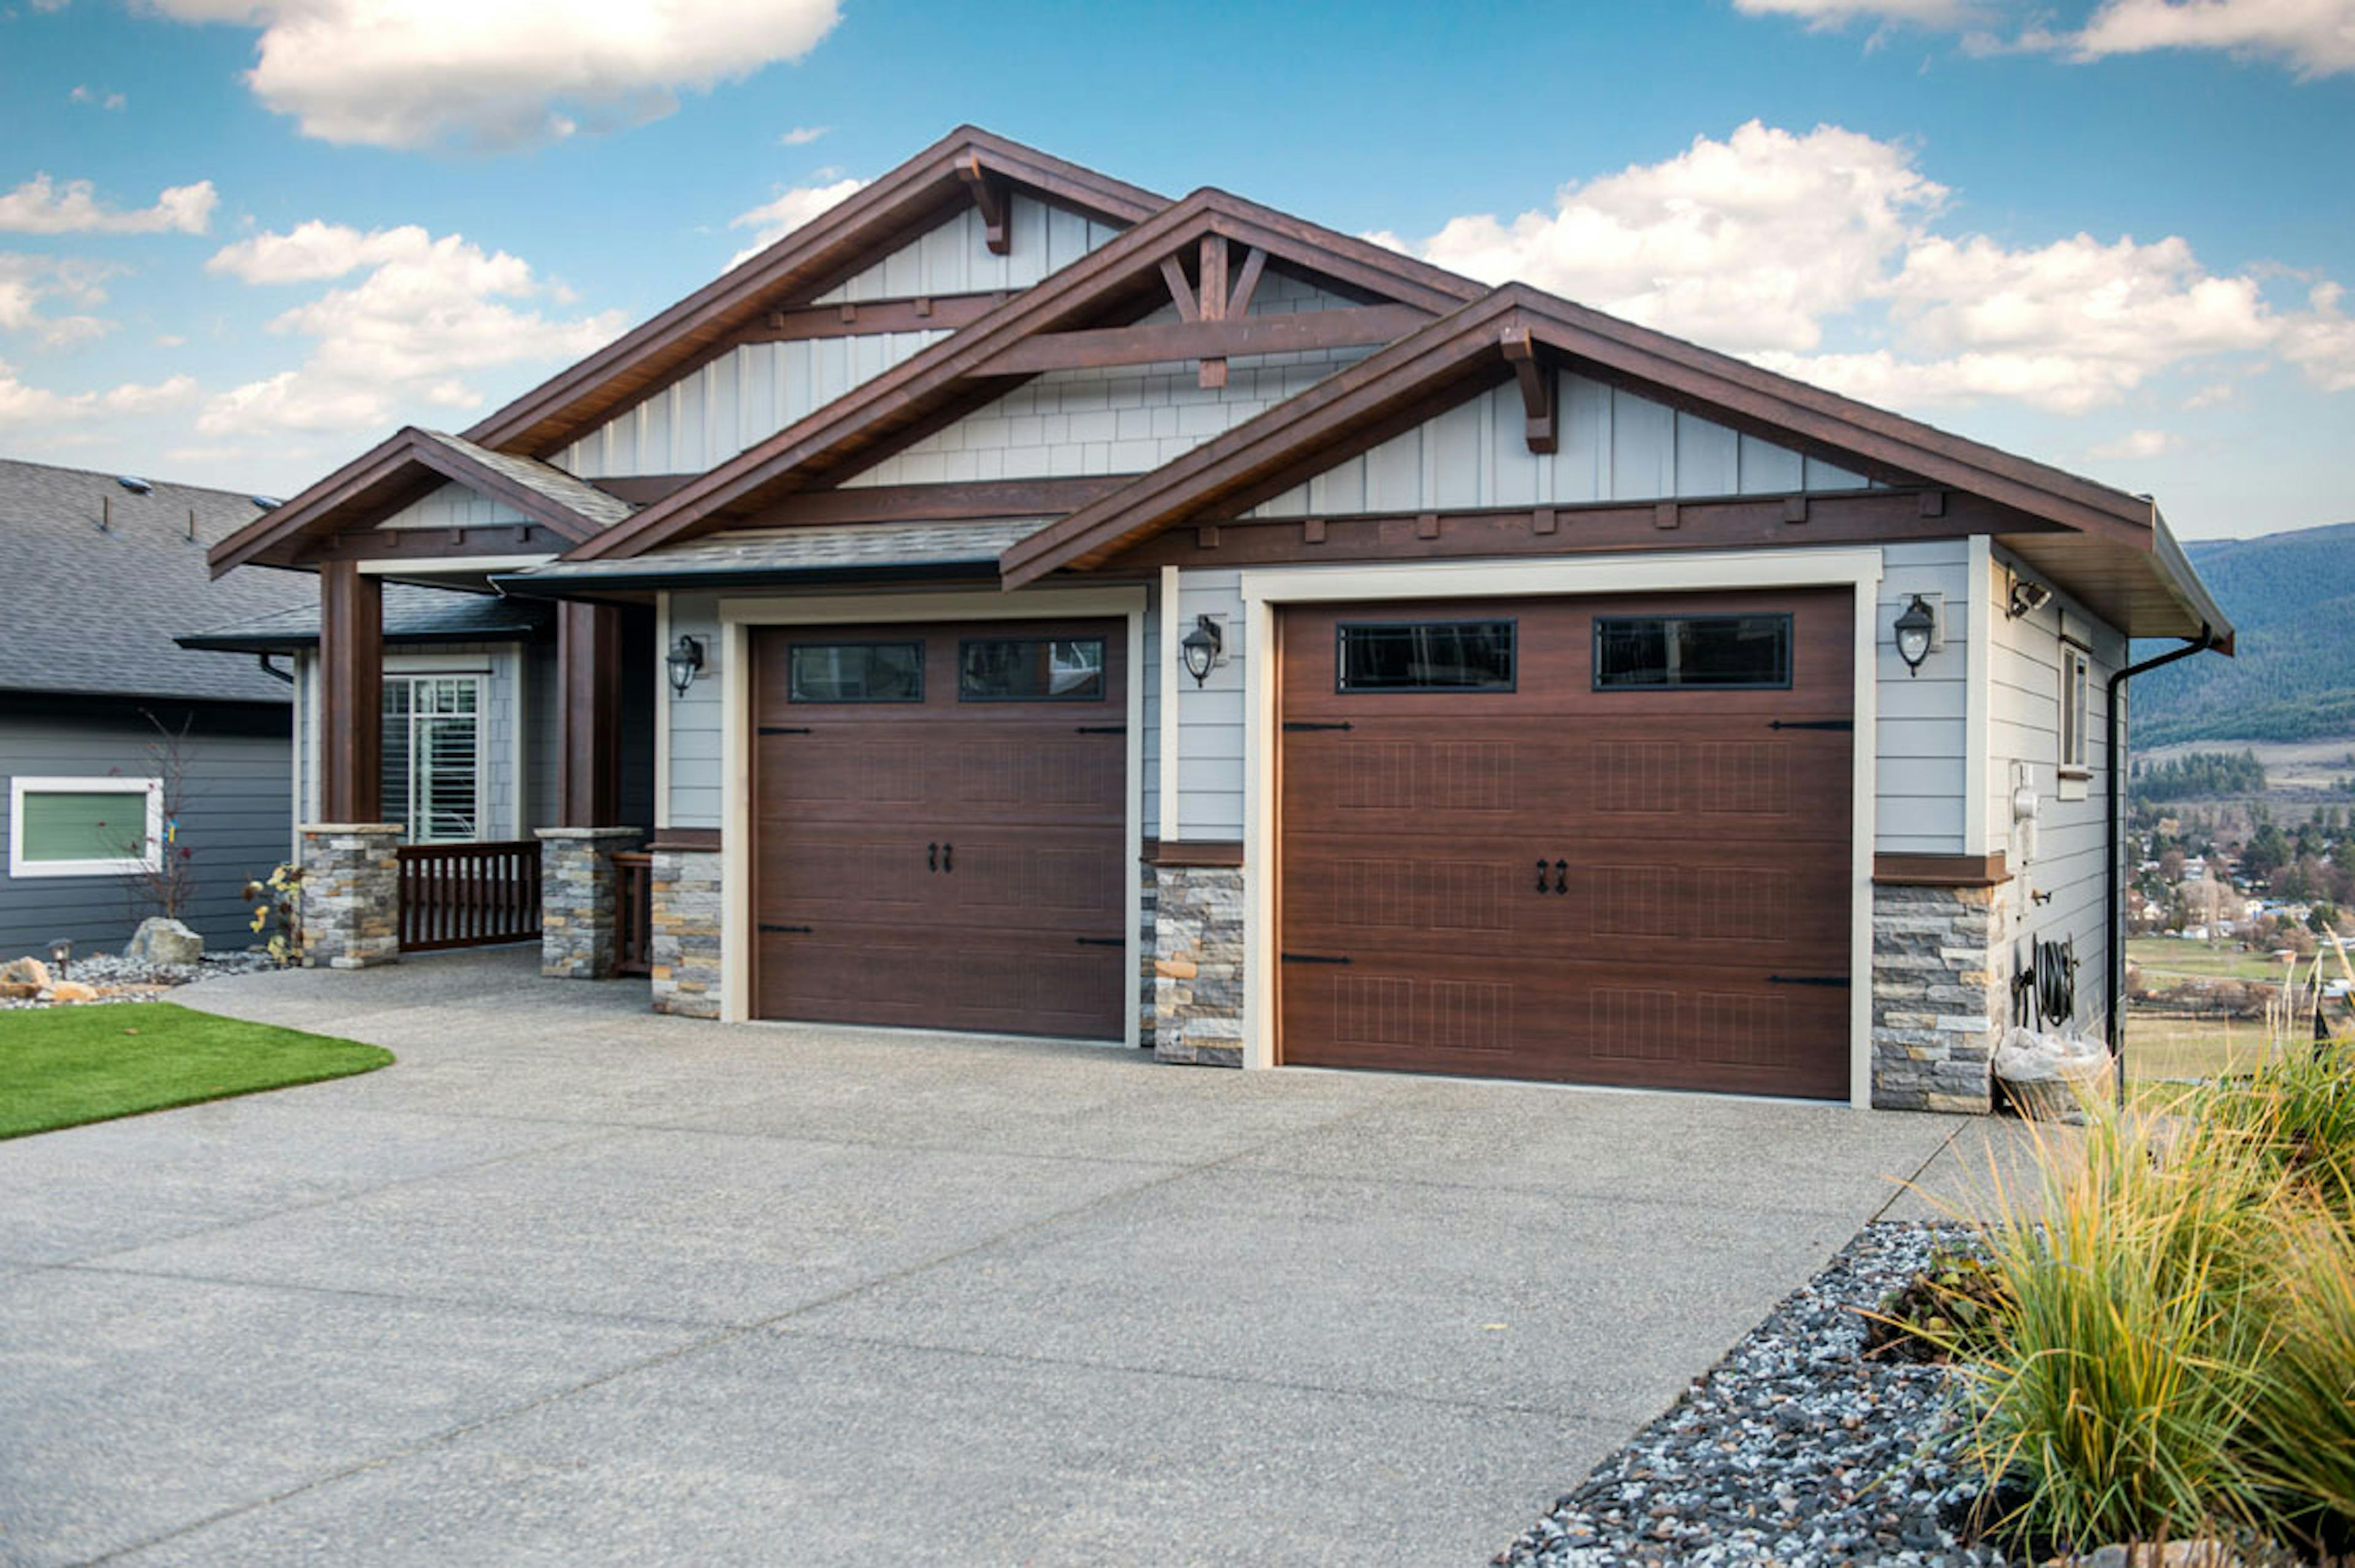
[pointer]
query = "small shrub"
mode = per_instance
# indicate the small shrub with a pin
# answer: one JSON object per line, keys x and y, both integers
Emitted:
{"x": 277, "y": 900}
{"x": 1945, "y": 1311}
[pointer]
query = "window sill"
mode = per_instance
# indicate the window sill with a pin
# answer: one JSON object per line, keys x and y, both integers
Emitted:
{"x": 2075, "y": 783}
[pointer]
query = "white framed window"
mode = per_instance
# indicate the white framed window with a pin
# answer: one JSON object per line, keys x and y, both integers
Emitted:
{"x": 434, "y": 772}
{"x": 85, "y": 827}
{"x": 2076, "y": 682}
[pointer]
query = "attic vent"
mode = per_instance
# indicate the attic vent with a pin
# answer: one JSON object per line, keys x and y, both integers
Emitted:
{"x": 133, "y": 484}
{"x": 267, "y": 503}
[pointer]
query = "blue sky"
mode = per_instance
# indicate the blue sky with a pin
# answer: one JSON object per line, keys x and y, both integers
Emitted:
{"x": 2110, "y": 235}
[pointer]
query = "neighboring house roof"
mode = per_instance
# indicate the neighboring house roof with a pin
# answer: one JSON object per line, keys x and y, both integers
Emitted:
{"x": 93, "y": 610}
{"x": 412, "y": 613}
{"x": 808, "y": 554}
{"x": 821, "y": 253}
{"x": 404, "y": 466}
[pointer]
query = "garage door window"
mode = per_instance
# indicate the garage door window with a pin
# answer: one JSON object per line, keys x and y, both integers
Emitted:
{"x": 1030, "y": 669}
{"x": 855, "y": 672}
{"x": 1427, "y": 656}
{"x": 1713, "y": 653}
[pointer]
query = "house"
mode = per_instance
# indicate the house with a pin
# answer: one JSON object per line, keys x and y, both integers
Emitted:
{"x": 128, "y": 761}
{"x": 1044, "y": 606}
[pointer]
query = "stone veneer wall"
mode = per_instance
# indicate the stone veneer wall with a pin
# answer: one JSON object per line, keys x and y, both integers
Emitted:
{"x": 351, "y": 895}
{"x": 578, "y": 939}
{"x": 1940, "y": 998}
{"x": 686, "y": 910}
{"x": 1148, "y": 898}
{"x": 1197, "y": 965}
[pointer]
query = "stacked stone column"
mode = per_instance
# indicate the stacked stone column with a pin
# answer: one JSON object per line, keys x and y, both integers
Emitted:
{"x": 686, "y": 902}
{"x": 1197, "y": 965}
{"x": 1940, "y": 997}
{"x": 579, "y": 937}
{"x": 351, "y": 895}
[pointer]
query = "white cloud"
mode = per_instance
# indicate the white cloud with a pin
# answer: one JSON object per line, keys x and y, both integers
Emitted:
{"x": 1826, "y": 13}
{"x": 427, "y": 314}
{"x": 2314, "y": 37}
{"x": 773, "y": 220}
{"x": 109, "y": 101}
{"x": 803, "y": 135}
{"x": 414, "y": 73}
{"x": 2138, "y": 445}
{"x": 171, "y": 340}
{"x": 21, "y": 404}
{"x": 1747, "y": 244}
{"x": 1770, "y": 244}
{"x": 41, "y": 206}
{"x": 2216, "y": 394}
{"x": 28, "y": 284}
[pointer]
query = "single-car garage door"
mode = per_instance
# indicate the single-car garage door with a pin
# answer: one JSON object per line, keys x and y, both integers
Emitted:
{"x": 940, "y": 825}
{"x": 1596, "y": 841}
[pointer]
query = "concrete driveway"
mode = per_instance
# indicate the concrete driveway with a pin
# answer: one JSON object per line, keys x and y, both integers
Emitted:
{"x": 572, "y": 1284}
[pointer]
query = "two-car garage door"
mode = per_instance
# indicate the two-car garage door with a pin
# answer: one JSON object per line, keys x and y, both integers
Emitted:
{"x": 1606, "y": 841}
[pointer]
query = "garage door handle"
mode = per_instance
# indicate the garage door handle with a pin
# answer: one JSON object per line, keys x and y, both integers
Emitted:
{"x": 933, "y": 856}
{"x": 1838, "y": 980}
{"x": 948, "y": 856}
{"x": 787, "y": 930}
{"x": 1849, "y": 724}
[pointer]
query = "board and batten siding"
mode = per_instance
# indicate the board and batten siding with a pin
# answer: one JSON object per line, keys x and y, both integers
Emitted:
{"x": 755, "y": 390}
{"x": 505, "y": 667}
{"x": 454, "y": 506}
{"x": 232, "y": 817}
{"x": 2024, "y": 747}
{"x": 1614, "y": 445}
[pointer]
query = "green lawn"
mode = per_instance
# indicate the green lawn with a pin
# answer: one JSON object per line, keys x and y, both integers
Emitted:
{"x": 64, "y": 1066}
{"x": 2172, "y": 955}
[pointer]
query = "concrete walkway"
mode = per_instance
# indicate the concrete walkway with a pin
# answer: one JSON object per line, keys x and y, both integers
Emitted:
{"x": 571, "y": 1284}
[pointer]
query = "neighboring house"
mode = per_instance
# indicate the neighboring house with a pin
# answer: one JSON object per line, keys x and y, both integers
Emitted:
{"x": 1038, "y": 605}
{"x": 99, "y": 710}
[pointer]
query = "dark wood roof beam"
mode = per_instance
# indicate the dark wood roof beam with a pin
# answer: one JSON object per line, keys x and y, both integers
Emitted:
{"x": 1355, "y": 327}
{"x": 989, "y": 194}
{"x": 935, "y": 313}
{"x": 1247, "y": 283}
{"x": 1181, "y": 292}
{"x": 1537, "y": 383}
{"x": 1213, "y": 297}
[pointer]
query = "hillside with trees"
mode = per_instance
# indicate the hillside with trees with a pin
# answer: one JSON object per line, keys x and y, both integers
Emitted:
{"x": 2291, "y": 600}
{"x": 2197, "y": 775}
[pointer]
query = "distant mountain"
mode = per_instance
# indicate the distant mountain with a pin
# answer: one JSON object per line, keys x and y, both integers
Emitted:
{"x": 2291, "y": 600}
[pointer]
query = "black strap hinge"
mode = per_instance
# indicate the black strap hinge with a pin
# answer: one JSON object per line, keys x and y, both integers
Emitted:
{"x": 1101, "y": 941}
{"x": 1838, "y": 980}
{"x": 1102, "y": 729}
{"x": 781, "y": 730}
{"x": 1313, "y": 958}
{"x": 1849, "y": 724}
{"x": 1300, "y": 727}
{"x": 787, "y": 930}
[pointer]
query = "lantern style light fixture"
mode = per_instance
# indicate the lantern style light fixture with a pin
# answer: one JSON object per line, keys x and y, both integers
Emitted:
{"x": 1202, "y": 647}
{"x": 686, "y": 662}
{"x": 1915, "y": 626}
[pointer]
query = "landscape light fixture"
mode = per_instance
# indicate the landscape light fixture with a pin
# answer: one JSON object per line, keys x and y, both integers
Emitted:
{"x": 686, "y": 662}
{"x": 61, "y": 955}
{"x": 1914, "y": 628}
{"x": 1202, "y": 647}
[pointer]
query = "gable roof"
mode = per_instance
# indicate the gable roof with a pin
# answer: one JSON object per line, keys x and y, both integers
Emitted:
{"x": 1464, "y": 351}
{"x": 399, "y": 469}
{"x": 952, "y": 375}
{"x": 93, "y": 610}
{"x": 804, "y": 263}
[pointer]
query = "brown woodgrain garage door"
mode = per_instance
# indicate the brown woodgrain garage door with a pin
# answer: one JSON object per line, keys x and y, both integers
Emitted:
{"x": 940, "y": 823}
{"x": 1596, "y": 840}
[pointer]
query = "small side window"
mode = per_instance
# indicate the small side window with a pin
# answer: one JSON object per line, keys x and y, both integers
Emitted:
{"x": 1427, "y": 656}
{"x": 85, "y": 827}
{"x": 2076, "y": 679}
{"x": 1715, "y": 653}
{"x": 1030, "y": 669}
{"x": 855, "y": 672}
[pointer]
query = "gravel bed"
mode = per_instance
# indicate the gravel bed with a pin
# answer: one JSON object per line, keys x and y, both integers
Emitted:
{"x": 106, "y": 972}
{"x": 1793, "y": 1451}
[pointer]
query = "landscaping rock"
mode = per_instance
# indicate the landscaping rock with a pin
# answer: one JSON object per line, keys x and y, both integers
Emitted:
{"x": 72, "y": 991}
{"x": 24, "y": 972}
{"x": 17, "y": 991}
{"x": 161, "y": 943}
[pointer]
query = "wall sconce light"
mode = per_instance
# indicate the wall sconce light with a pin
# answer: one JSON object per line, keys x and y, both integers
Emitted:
{"x": 1202, "y": 647}
{"x": 2026, "y": 597}
{"x": 1915, "y": 626}
{"x": 686, "y": 662}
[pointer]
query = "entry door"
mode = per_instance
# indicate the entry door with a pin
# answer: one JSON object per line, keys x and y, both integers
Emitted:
{"x": 1599, "y": 840}
{"x": 941, "y": 826}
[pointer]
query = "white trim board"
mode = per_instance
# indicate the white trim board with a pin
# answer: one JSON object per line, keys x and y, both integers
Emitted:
{"x": 739, "y": 616}
{"x": 1265, "y": 590}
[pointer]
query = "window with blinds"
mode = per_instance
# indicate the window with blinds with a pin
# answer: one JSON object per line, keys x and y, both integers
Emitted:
{"x": 433, "y": 751}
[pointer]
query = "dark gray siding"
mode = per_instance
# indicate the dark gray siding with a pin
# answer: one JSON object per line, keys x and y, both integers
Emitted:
{"x": 233, "y": 817}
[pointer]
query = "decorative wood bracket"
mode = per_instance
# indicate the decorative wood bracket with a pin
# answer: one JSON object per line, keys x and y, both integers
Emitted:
{"x": 1537, "y": 389}
{"x": 1210, "y": 294}
{"x": 1181, "y": 292}
{"x": 988, "y": 193}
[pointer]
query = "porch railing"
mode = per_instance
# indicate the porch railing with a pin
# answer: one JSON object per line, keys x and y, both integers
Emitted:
{"x": 633, "y": 913}
{"x": 468, "y": 895}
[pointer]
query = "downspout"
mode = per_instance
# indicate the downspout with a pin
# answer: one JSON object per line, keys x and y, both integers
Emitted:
{"x": 273, "y": 671}
{"x": 2114, "y": 838}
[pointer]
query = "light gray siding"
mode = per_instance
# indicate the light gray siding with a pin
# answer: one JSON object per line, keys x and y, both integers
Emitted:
{"x": 755, "y": 391}
{"x": 1921, "y": 727}
{"x": 695, "y": 718}
{"x": 232, "y": 817}
{"x": 1613, "y": 446}
{"x": 2024, "y": 745}
{"x": 454, "y": 506}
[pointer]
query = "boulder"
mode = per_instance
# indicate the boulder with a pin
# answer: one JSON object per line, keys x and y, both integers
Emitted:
{"x": 71, "y": 991}
{"x": 161, "y": 943}
{"x": 17, "y": 991}
{"x": 24, "y": 972}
